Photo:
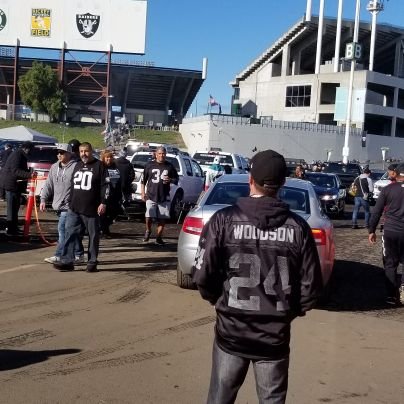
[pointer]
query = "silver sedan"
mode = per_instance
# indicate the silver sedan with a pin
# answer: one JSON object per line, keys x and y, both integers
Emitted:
{"x": 300, "y": 196}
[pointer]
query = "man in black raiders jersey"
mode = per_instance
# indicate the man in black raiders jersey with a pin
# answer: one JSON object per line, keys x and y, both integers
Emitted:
{"x": 259, "y": 280}
{"x": 391, "y": 203}
{"x": 155, "y": 191}
{"x": 88, "y": 197}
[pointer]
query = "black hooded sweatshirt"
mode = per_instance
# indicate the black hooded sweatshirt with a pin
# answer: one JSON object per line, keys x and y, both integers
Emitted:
{"x": 257, "y": 262}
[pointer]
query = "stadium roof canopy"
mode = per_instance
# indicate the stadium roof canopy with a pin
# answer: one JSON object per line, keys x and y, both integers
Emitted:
{"x": 130, "y": 86}
{"x": 303, "y": 37}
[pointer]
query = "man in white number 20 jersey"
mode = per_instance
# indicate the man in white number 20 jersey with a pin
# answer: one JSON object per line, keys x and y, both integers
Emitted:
{"x": 257, "y": 262}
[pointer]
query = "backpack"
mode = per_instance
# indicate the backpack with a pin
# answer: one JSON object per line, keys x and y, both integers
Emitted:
{"x": 353, "y": 189}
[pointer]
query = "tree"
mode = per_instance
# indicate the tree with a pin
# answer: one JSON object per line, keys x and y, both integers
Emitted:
{"x": 40, "y": 90}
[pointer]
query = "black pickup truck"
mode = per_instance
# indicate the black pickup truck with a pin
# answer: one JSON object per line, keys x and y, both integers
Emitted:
{"x": 346, "y": 173}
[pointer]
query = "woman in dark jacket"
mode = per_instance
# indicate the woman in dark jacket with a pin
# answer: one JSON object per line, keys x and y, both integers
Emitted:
{"x": 114, "y": 202}
{"x": 12, "y": 179}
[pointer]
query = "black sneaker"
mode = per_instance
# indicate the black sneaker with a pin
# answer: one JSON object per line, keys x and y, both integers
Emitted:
{"x": 160, "y": 241}
{"x": 393, "y": 301}
{"x": 91, "y": 267}
{"x": 146, "y": 237}
{"x": 63, "y": 266}
{"x": 355, "y": 226}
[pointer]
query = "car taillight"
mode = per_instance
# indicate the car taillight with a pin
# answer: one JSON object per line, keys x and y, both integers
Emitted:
{"x": 193, "y": 225}
{"x": 319, "y": 236}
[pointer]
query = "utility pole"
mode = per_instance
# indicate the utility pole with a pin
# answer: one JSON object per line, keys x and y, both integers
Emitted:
{"x": 354, "y": 46}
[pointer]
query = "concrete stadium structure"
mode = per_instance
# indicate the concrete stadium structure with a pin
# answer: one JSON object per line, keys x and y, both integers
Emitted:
{"x": 295, "y": 94}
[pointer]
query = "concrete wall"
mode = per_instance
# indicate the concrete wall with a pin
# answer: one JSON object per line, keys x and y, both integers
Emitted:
{"x": 292, "y": 139}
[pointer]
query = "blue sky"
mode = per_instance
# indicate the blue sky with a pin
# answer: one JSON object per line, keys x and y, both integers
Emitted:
{"x": 231, "y": 34}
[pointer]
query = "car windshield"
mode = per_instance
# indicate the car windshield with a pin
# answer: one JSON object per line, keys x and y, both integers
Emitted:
{"x": 325, "y": 181}
{"x": 140, "y": 160}
{"x": 206, "y": 159}
{"x": 228, "y": 193}
{"x": 377, "y": 175}
{"x": 342, "y": 168}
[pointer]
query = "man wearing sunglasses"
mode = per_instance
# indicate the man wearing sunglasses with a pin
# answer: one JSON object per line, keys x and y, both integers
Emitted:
{"x": 57, "y": 187}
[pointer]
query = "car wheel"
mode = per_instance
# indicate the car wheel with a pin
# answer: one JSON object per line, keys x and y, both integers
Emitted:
{"x": 184, "y": 280}
{"x": 176, "y": 207}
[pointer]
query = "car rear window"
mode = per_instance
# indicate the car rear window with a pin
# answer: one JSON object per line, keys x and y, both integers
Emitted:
{"x": 38, "y": 155}
{"x": 228, "y": 194}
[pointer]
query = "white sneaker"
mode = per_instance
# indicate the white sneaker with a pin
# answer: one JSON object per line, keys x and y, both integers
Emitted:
{"x": 402, "y": 294}
{"x": 79, "y": 259}
{"x": 52, "y": 260}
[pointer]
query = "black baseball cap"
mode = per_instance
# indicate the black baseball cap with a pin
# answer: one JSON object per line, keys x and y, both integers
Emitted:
{"x": 75, "y": 144}
{"x": 392, "y": 167}
{"x": 400, "y": 170}
{"x": 268, "y": 169}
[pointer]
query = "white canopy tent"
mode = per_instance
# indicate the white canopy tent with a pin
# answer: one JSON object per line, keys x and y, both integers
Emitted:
{"x": 23, "y": 134}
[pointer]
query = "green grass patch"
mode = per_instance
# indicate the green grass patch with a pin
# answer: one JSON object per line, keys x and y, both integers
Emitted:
{"x": 93, "y": 133}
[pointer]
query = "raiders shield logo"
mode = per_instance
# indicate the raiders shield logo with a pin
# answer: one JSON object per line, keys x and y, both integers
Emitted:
{"x": 87, "y": 24}
{"x": 3, "y": 19}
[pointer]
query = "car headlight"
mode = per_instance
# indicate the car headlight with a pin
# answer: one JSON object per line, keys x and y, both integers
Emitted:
{"x": 328, "y": 197}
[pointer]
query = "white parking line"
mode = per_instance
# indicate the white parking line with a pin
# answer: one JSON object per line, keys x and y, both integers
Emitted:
{"x": 3, "y": 271}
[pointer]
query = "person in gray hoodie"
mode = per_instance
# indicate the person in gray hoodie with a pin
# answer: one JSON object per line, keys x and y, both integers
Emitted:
{"x": 58, "y": 186}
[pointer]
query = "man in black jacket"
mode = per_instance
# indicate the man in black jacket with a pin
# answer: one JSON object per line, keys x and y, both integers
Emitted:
{"x": 4, "y": 155}
{"x": 127, "y": 174}
{"x": 390, "y": 202}
{"x": 13, "y": 174}
{"x": 88, "y": 198}
{"x": 257, "y": 262}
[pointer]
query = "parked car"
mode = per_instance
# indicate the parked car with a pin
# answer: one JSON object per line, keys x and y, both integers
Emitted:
{"x": 376, "y": 174}
{"x": 190, "y": 184}
{"x": 330, "y": 191}
{"x": 225, "y": 191}
{"x": 40, "y": 160}
{"x": 380, "y": 184}
{"x": 237, "y": 162}
{"x": 346, "y": 173}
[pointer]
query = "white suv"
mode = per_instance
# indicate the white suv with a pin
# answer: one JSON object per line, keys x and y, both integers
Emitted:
{"x": 237, "y": 162}
{"x": 190, "y": 184}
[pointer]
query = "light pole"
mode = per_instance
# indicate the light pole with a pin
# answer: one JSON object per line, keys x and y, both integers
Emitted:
{"x": 345, "y": 150}
{"x": 328, "y": 154}
{"x": 374, "y": 7}
{"x": 384, "y": 153}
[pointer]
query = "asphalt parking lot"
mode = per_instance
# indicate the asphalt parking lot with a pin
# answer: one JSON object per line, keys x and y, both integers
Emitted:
{"x": 356, "y": 283}
{"x": 128, "y": 334}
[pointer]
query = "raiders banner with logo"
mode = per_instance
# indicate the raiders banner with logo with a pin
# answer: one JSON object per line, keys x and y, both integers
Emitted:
{"x": 93, "y": 25}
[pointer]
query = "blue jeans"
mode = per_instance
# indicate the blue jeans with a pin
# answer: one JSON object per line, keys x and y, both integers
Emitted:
{"x": 229, "y": 372}
{"x": 78, "y": 246}
{"x": 359, "y": 201}
{"x": 74, "y": 225}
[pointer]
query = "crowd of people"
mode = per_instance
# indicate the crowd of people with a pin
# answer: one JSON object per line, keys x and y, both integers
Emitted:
{"x": 258, "y": 285}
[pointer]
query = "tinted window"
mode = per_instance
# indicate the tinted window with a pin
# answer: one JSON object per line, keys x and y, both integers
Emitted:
{"x": 188, "y": 167}
{"x": 175, "y": 163}
{"x": 297, "y": 199}
{"x": 42, "y": 156}
{"x": 197, "y": 170}
{"x": 140, "y": 160}
{"x": 206, "y": 159}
